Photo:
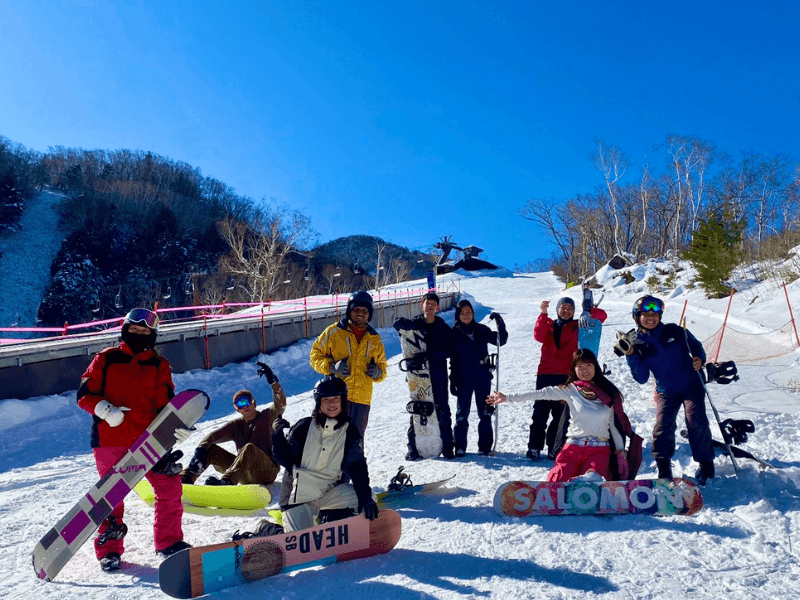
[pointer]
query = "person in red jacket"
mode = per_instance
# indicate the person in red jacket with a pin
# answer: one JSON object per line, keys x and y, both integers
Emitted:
{"x": 559, "y": 341}
{"x": 124, "y": 389}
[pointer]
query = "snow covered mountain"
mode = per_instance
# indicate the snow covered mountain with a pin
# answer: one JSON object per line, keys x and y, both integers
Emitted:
{"x": 741, "y": 546}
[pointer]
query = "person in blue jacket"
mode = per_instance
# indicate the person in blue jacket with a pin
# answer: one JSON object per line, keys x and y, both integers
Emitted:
{"x": 674, "y": 357}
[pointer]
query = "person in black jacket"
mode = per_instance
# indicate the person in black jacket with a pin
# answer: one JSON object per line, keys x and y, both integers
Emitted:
{"x": 437, "y": 351}
{"x": 317, "y": 454}
{"x": 471, "y": 373}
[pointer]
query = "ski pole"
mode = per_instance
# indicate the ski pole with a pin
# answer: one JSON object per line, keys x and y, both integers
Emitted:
{"x": 496, "y": 388}
{"x": 713, "y": 408}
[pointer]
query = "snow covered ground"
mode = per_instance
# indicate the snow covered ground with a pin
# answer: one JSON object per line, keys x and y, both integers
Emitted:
{"x": 741, "y": 546}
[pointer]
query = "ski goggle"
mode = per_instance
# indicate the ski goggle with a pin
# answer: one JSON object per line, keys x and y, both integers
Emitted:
{"x": 243, "y": 401}
{"x": 655, "y": 306}
{"x": 142, "y": 316}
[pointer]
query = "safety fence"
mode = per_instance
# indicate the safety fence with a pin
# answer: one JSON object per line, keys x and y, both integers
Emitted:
{"x": 196, "y": 337}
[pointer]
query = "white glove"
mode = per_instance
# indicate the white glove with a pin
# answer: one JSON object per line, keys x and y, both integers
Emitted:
{"x": 182, "y": 434}
{"x": 109, "y": 413}
{"x": 584, "y": 319}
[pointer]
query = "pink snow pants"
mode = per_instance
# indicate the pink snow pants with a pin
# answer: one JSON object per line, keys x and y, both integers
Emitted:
{"x": 577, "y": 460}
{"x": 168, "y": 508}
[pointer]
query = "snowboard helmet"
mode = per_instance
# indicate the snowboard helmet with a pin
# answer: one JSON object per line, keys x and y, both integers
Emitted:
{"x": 144, "y": 317}
{"x": 360, "y": 298}
{"x": 330, "y": 385}
{"x": 647, "y": 304}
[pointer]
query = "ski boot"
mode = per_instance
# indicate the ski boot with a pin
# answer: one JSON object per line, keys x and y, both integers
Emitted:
{"x": 111, "y": 562}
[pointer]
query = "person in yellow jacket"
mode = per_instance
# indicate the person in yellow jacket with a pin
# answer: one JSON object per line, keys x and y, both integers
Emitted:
{"x": 352, "y": 350}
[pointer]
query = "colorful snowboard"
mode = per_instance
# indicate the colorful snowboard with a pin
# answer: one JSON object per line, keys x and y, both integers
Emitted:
{"x": 198, "y": 571}
{"x": 59, "y": 545}
{"x": 423, "y": 411}
{"x": 589, "y": 337}
{"x": 640, "y": 496}
{"x": 237, "y": 497}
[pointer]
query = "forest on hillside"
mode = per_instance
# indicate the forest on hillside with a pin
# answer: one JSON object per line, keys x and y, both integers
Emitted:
{"x": 141, "y": 229}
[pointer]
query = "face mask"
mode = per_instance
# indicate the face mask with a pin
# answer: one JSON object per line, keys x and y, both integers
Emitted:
{"x": 137, "y": 342}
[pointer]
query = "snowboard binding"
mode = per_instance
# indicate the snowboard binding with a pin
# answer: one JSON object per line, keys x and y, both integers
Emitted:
{"x": 417, "y": 363}
{"x": 722, "y": 373}
{"x": 423, "y": 409}
{"x": 735, "y": 430}
{"x": 169, "y": 464}
{"x": 400, "y": 481}
{"x": 115, "y": 531}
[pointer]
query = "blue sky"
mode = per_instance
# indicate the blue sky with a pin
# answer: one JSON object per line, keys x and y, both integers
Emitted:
{"x": 406, "y": 120}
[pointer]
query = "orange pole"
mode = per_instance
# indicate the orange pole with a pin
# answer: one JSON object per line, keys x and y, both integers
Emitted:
{"x": 791, "y": 314}
{"x": 725, "y": 320}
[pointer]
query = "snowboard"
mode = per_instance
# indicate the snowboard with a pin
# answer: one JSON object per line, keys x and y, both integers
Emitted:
{"x": 401, "y": 488}
{"x": 237, "y": 497}
{"x": 203, "y": 570}
{"x": 61, "y": 542}
{"x": 423, "y": 411}
{"x": 639, "y": 496}
{"x": 589, "y": 337}
{"x": 741, "y": 453}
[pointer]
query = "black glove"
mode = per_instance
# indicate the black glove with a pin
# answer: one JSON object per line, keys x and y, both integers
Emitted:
{"x": 369, "y": 508}
{"x": 403, "y": 323}
{"x": 263, "y": 369}
{"x": 279, "y": 424}
{"x": 373, "y": 370}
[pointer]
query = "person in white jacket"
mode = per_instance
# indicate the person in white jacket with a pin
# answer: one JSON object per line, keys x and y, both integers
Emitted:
{"x": 590, "y": 397}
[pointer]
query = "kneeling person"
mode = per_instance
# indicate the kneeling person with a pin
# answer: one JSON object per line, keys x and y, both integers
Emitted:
{"x": 253, "y": 461}
{"x": 318, "y": 453}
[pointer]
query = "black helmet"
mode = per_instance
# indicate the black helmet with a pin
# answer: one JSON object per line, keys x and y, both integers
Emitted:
{"x": 647, "y": 304}
{"x": 360, "y": 298}
{"x": 330, "y": 385}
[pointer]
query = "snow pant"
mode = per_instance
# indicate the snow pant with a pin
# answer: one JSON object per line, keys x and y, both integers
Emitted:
{"x": 250, "y": 465}
{"x": 481, "y": 390}
{"x": 168, "y": 508}
{"x": 540, "y": 431}
{"x": 574, "y": 460}
{"x": 359, "y": 416}
{"x": 301, "y": 516}
{"x": 445, "y": 426}
{"x": 694, "y": 409}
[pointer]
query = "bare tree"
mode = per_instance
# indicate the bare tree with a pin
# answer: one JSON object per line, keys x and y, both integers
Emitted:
{"x": 257, "y": 255}
{"x": 612, "y": 163}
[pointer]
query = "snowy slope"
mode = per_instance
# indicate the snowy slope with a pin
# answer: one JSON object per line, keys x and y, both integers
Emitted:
{"x": 741, "y": 546}
{"x": 25, "y": 261}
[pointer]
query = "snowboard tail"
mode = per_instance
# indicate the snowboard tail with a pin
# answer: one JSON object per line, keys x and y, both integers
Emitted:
{"x": 640, "y": 496}
{"x": 203, "y": 570}
{"x": 428, "y": 439}
{"x": 61, "y": 542}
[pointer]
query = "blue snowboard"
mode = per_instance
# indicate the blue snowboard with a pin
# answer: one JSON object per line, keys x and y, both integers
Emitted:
{"x": 589, "y": 337}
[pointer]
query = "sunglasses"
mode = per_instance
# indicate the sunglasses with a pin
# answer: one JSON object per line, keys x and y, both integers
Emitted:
{"x": 655, "y": 307}
{"x": 142, "y": 316}
{"x": 243, "y": 401}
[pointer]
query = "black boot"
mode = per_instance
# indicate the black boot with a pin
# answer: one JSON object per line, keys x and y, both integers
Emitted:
{"x": 211, "y": 480}
{"x": 704, "y": 473}
{"x": 664, "y": 466}
{"x": 111, "y": 562}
